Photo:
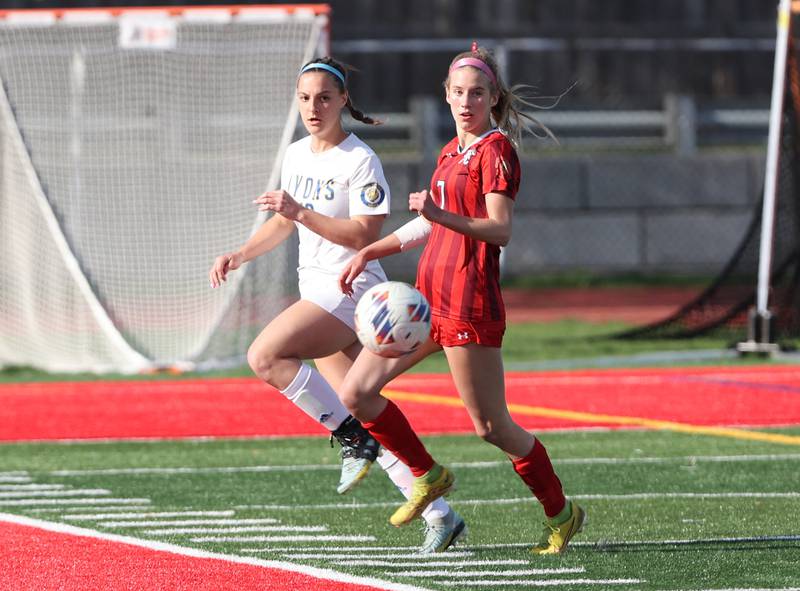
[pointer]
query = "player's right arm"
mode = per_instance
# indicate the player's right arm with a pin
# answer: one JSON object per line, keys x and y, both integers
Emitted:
{"x": 268, "y": 236}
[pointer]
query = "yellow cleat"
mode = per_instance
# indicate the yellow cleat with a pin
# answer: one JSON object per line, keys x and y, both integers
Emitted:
{"x": 435, "y": 483}
{"x": 555, "y": 538}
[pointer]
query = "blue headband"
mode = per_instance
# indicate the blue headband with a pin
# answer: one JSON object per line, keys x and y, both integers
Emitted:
{"x": 326, "y": 67}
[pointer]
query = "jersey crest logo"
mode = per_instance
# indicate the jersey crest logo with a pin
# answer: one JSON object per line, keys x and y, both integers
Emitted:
{"x": 372, "y": 195}
{"x": 468, "y": 156}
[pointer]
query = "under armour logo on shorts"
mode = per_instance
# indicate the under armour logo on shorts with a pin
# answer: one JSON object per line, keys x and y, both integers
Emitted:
{"x": 462, "y": 336}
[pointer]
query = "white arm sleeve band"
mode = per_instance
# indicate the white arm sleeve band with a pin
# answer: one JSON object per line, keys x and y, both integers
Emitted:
{"x": 413, "y": 233}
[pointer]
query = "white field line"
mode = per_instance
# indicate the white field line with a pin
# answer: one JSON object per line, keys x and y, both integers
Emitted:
{"x": 18, "y": 479}
{"x": 65, "y": 511}
{"x": 755, "y": 378}
{"x": 188, "y": 470}
{"x": 78, "y": 492}
{"x": 29, "y": 486}
{"x": 440, "y": 562}
{"x": 681, "y": 459}
{"x": 91, "y": 501}
{"x": 146, "y": 515}
{"x": 759, "y": 589}
{"x": 459, "y": 574}
{"x": 673, "y": 542}
{"x": 71, "y": 441}
{"x": 343, "y": 549}
{"x": 343, "y": 556}
{"x": 719, "y": 495}
{"x": 325, "y": 574}
{"x": 460, "y": 465}
{"x": 324, "y": 506}
{"x": 177, "y": 522}
{"x": 542, "y": 583}
{"x": 256, "y": 529}
{"x": 690, "y": 460}
{"x": 253, "y": 539}
{"x": 145, "y": 506}
{"x": 531, "y": 499}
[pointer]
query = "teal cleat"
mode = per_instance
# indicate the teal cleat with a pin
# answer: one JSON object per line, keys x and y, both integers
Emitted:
{"x": 359, "y": 451}
{"x": 444, "y": 533}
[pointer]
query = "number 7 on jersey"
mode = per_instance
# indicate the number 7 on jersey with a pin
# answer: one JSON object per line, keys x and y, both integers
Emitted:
{"x": 440, "y": 186}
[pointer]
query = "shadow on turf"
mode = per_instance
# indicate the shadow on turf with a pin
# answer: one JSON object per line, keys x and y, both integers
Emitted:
{"x": 737, "y": 544}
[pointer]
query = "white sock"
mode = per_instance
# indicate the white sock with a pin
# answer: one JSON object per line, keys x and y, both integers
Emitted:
{"x": 403, "y": 479}
{"x": 314, "y": 396}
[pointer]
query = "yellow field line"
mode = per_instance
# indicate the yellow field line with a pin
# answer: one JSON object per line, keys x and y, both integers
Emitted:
{"x": 588, "y": 417}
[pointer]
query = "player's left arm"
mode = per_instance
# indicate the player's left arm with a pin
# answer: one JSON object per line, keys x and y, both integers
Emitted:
{"x": 494, "y": 229}
{"x": 355, "y": 232}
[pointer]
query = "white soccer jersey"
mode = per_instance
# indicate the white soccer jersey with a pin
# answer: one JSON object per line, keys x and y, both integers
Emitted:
{"x": 341, "y": 182}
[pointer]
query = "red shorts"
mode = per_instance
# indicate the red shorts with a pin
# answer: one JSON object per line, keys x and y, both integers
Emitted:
{"x": 452, "y": 333}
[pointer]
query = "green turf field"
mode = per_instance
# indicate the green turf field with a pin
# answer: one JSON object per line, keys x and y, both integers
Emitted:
{"x": 666, "y": 510}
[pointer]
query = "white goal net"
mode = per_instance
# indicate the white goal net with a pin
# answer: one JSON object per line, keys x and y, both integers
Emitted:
{"x": 132, "y": 143}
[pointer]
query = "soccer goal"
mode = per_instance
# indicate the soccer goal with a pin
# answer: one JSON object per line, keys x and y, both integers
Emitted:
{"x": 132, "y": 142}
{"x": 757, "y": 292}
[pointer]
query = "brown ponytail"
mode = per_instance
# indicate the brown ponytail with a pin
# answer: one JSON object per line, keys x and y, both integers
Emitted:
{"x": 345, "y": 71}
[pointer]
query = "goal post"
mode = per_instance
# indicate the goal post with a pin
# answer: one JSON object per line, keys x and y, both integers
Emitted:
{"x": 132, "y": 142}
{"x": 760, "y": 332}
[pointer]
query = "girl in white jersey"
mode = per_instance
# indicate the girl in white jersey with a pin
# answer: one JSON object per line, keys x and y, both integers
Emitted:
{"x": 334, "y": 193}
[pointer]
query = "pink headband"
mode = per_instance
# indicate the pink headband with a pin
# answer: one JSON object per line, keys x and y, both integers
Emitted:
{"x": 475, "y": 63}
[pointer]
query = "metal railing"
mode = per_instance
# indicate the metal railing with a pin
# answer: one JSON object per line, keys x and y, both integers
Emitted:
{"x": 681, "y": 127}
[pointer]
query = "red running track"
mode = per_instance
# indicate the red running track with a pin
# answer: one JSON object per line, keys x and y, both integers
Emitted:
{"x": 244, "y": 407}
{"x": 41, "y": 556}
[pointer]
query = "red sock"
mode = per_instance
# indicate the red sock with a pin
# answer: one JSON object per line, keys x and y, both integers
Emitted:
{"x": 537, "y": 473}
{"x": 392, "y": 430}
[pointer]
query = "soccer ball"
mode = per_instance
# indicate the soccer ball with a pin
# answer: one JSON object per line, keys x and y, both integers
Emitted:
{"x": 392, "y": 319}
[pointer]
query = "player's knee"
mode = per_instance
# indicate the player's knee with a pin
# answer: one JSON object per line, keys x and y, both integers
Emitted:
{"x": 486, "y": 433}
{"x": 351, "y": 398}
{"x": 262, "y": 363}
{"x": 490, "y": 432}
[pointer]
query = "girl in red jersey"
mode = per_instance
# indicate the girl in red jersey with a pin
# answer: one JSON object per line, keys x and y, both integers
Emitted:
{"x": 463, "y": 220}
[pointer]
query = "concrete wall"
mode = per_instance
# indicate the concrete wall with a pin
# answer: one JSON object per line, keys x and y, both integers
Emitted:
{"x": 614, "y": 213}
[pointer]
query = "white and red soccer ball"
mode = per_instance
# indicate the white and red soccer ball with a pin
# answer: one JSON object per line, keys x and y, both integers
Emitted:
{"x": 392, "y": 319}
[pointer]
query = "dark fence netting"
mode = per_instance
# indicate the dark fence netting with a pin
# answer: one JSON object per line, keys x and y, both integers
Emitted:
{"x": 722, "y": 308}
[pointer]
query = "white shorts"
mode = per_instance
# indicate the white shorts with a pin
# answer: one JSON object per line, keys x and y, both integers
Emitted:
{"x": 323, "y": 290}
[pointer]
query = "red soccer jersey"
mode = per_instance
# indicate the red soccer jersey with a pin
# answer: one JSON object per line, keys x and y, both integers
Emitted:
{"x": 460, "y": 275}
